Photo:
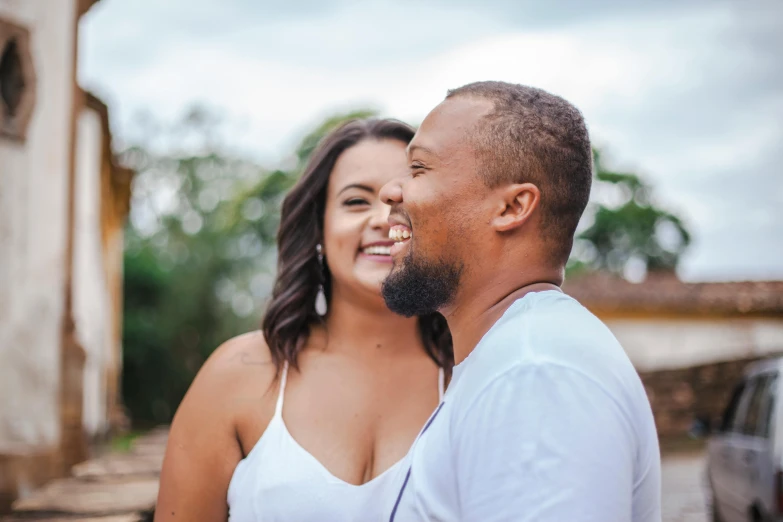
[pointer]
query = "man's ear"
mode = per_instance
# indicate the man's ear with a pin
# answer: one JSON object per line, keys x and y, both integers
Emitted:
{"x": 516, "y": 203}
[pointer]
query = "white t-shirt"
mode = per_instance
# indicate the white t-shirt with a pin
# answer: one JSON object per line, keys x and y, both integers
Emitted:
{"x": 546, "y": 420}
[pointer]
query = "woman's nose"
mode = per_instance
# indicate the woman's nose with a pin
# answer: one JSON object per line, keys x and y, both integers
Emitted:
{"x": 380, "y": 216}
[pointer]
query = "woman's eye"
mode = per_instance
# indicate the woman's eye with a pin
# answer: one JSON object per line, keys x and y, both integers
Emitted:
{"x": 355, "y": 201}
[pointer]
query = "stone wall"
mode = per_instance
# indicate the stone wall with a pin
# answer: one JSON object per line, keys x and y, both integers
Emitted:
{"x": 680, "y": 396}
{"x": 667, "y": 342}
{"x": 35, "y": 168}
{"x": 92, "y": 303}
{"x": 33, "y": 236}
{"x": 20, "y": 475}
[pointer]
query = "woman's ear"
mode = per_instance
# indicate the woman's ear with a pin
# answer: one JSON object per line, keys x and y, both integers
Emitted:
{"x": 516, "y": 204}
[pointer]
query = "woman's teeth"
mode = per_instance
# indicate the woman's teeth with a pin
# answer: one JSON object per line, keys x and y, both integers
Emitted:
{"x": 377, "y": 250}
{"x": 399, "y": 234}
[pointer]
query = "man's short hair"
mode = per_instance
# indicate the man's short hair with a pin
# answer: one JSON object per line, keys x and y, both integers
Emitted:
{"x": 532, "y": 136}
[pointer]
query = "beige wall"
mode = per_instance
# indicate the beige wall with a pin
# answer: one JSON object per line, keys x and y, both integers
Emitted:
{"x": 667, "y": 343}
{"x": 33, "y": 212}
{"x": 92, "y": 304}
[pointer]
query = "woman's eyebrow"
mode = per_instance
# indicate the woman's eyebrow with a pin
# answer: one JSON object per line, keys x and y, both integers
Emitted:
{"x": 357, "y": 186}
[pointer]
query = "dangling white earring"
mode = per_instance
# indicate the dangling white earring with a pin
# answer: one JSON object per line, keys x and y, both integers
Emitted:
{"x": 320, "y": 299}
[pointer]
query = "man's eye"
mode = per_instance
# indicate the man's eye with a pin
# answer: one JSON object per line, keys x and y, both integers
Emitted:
{"x": 355, "y": 201}
{"x": 416, "y": 169}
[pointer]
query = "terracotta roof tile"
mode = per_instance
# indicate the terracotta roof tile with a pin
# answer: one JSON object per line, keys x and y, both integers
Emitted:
{"x": 666, "y": 293}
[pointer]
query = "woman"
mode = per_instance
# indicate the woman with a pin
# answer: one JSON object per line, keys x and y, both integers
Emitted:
{"x": 307, "y": 420}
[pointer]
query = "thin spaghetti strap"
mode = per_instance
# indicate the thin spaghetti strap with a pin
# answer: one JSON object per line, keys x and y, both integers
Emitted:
{"x": 441, "y": 384}
{"x": 281, "y": 393}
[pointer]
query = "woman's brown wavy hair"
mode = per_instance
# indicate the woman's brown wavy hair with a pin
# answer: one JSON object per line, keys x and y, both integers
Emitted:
{"x": 291, "y": 312}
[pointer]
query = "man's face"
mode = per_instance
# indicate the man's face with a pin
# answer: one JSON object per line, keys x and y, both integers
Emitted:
{"x": 439, "y": 206}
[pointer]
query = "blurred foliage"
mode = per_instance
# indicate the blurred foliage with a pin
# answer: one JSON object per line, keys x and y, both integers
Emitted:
{"x": 310, "y": 141}
{"x": 200, "y": 248}
{"x": 624, "y": 231}
{"x": 124, "y": 443}
{"x": 199, "y": 253}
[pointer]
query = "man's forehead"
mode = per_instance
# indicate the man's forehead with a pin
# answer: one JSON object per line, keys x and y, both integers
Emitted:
{"x": 447, "y": 124}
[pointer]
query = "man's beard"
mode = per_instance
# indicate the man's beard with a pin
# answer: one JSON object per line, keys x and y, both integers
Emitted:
{"x": 421, "y": 287}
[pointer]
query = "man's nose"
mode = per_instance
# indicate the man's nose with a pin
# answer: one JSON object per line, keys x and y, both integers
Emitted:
{"x": 391, "y": 193}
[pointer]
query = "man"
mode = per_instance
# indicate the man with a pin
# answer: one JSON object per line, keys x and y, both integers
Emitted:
{"x": 545, "y": 418}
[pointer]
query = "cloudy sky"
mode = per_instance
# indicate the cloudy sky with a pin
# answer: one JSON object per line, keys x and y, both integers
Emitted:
{"x": 687, "y": 93}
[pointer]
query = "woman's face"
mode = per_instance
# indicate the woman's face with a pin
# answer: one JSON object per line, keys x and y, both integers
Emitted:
{"x": 356, "y": 231}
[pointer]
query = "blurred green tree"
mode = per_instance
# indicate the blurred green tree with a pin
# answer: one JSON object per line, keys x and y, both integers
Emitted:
{"x": 310, "y": 141}
{"x": 624, "y": 231}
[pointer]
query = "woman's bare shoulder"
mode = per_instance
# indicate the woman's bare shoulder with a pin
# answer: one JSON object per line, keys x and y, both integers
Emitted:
{"x": 238, "y": 371}
{"x": 239, "y": 352}
{"x": 203, "y": 449}
{"x": 240, "y": 362}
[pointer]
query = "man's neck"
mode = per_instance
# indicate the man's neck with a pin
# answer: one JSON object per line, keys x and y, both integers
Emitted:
{"x": 474, "y": 313}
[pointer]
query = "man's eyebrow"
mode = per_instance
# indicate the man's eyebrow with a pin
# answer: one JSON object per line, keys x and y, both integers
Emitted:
{"x": 421, "y": 148}
{"x": 357, "y": 186}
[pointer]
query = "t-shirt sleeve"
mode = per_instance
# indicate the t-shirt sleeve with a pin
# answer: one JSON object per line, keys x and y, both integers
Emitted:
{"x": 545, "y": 443}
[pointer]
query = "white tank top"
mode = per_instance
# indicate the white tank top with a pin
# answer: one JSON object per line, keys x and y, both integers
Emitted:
{"x": 279, "y": 481}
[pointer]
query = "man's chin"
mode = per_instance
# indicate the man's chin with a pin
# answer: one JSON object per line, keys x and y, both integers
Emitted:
{"x": 420, "y": 288}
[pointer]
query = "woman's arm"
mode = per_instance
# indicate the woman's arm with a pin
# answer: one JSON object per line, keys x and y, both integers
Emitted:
{"x": 203, "y": 449}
